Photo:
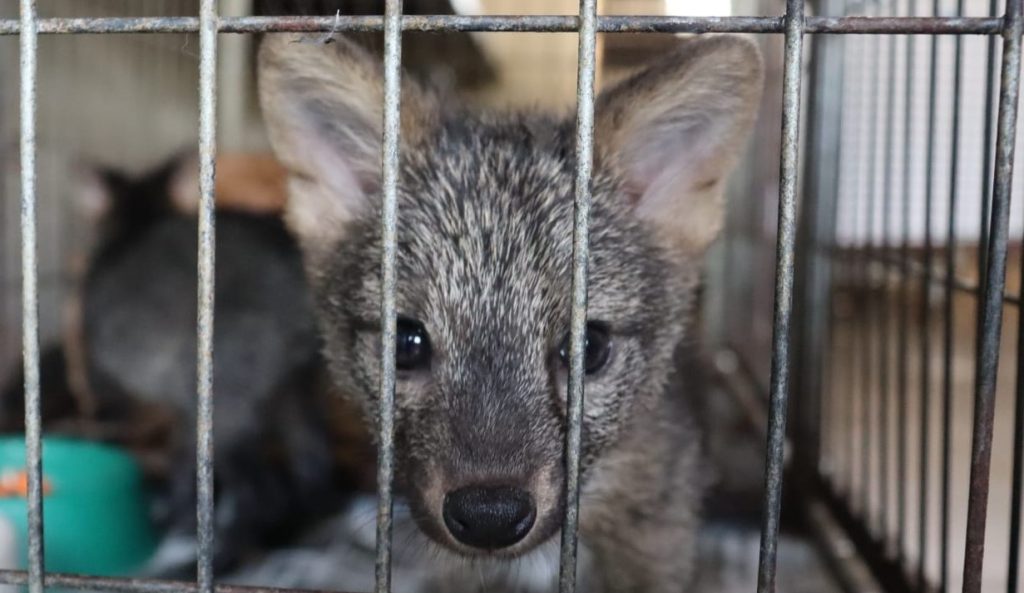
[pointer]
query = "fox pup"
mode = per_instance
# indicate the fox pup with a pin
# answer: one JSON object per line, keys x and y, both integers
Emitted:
{"x": 485, "y": 205}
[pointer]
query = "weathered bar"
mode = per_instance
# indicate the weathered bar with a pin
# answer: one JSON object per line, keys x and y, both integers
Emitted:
{"x": 30, "y": 294}
{"x": 995, "y": 282}
{"x": 204, "y": 321}
{"x": 388, "y": 319}
{"x": 551, "y": 24}
{"x": 586, "y": 66}
{"x": 784, "y": 264}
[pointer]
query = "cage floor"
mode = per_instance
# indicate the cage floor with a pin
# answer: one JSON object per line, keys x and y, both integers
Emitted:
{"x": 729, "y": 555}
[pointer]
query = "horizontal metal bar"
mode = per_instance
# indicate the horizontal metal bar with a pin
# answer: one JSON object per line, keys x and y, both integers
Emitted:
{"x": 936, "y": 279}
{"x": 130, "y": 585}
{"x": 549, "y": 24}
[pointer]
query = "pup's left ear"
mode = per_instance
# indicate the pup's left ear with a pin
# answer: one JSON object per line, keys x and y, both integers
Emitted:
{"x": 674, "y": 131}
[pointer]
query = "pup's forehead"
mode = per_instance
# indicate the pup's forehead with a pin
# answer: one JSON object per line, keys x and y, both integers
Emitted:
{"x": 484, "y": 227}
{"x": 486, "y": 231}
{"x": 499, "y": 191}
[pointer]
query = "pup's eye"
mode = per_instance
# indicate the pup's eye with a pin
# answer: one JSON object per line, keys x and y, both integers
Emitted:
{"x": 598, "y": 348}
{"x": 412, "y": 345}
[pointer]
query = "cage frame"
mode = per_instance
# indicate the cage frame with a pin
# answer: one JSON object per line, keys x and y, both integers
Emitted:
{"x": 794, "y": 25}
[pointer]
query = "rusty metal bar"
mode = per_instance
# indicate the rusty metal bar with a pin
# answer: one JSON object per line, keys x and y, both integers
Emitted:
{"x": 917, "y": 269}
{"x": 552, "y": 24}
{"x": 389, "y": 320}
{"x": 586, "y": 67}
{"x": 995, "y": 281}
{"x": 784, "y": 264}
{"x": 30, "y": 295}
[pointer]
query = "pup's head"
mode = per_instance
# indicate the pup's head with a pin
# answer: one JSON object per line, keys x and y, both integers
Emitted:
{"x": 485, "y": 212}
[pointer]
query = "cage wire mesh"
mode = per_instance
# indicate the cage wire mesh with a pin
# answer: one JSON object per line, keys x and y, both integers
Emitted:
{"x": 908, "y": 260}
{"x": 886, "y": 258}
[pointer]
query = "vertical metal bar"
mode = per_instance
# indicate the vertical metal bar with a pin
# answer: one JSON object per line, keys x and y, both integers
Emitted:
{"x": 925, "y": 321}
{"x": 884, "y": 300}
{"x": 204, "y": 416}
{"x": 902, "y": 381}
{"x": 580, "y": 250}
{"x": 904, "y": 299}
{"x": 948, "y": 309}
{"x": 855, "y": 265}
{"x": 30, "y": 295}
{"x": 784, "y": 259}
{"x": 1017, "y": 475}
{"x": 835, "y": 269}
{"x": 872, "y": 304}
{"x": 986, "y": 158}
{"x": 995, "y": 283}
{"x": 816, "y": 233}
{"x": 388, "y": 320}
{"x": 809, "y": 355}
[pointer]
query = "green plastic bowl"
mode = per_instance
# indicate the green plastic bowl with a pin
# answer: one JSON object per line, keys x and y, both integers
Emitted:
{"x": 95, "y": 518}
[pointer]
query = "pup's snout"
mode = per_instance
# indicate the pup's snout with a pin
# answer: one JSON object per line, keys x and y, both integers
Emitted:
{"x": 489, "y": 517}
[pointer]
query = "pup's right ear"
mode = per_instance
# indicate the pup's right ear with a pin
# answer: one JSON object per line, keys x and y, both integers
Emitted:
{"x": 674, "y": 132}
{"x": 323, "y": 105}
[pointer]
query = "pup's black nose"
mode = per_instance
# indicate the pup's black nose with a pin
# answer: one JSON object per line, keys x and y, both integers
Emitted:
{"x": 489, "y": 517}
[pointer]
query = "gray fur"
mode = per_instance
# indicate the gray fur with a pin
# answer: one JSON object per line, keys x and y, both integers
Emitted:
{"x": 484, "y": 237}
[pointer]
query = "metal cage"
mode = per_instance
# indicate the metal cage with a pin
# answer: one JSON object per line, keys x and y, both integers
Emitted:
{"x": 817, "y": 273}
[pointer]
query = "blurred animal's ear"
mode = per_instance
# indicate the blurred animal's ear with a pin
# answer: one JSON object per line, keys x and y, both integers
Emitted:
{"x": 674, "y": 132}
{"x": 107, "y": 194}
{"x": 251, "y": 183}
{"x": 183, "y": 182}
{"x": 97, "y": 190}
{"x": 323, "y": 105}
